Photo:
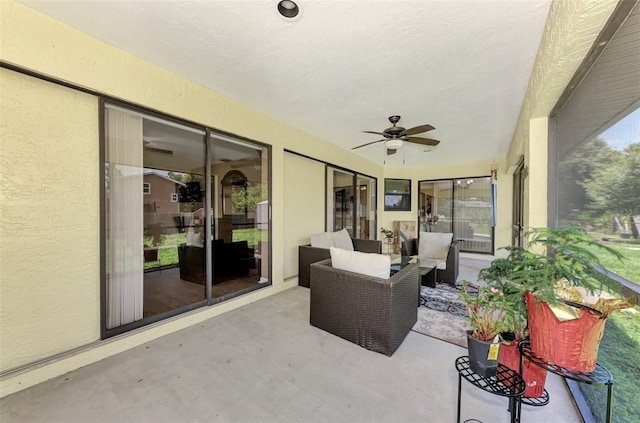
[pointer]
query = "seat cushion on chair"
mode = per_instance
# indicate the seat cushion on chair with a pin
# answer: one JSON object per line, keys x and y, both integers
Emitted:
{"x": 370, "y": 264}
{"x": 342, "y": 239}
{"x": 434, "y": 245}
{"x": 323, "y": 240}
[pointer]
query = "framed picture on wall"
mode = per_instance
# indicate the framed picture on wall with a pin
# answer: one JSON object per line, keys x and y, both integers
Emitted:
{"x": 397, "y": 194}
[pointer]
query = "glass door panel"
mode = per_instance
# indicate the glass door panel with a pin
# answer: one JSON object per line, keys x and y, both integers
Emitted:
{"x": 463, "y": 207}
{"x": 240, "y": 212}
{"x": 472, "y": 214}
{"x": 366, "y": 206}
{"x": 436, "y": 206}
{"x": 341, "y": 200}
{"x": 153, "y": 175}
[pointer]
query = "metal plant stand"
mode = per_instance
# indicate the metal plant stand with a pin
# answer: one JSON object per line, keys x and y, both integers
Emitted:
{"x": 599, "y": 376}
{"x": 506, "y": 383}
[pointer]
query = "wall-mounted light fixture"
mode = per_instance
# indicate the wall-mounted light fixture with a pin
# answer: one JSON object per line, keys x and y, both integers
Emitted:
{"x": 494, "y": 170}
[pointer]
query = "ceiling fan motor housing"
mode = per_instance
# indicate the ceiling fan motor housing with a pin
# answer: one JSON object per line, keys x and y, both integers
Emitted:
{"x": 394, "y": 131}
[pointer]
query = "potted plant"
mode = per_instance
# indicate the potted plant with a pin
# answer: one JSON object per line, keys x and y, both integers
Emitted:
{"x": 498, "y": 276}
{"x": 545, "y": 285}
{"x": 154, "y": 236}
{"x": 388, "y": 235}
{"x": 487, "y": 309}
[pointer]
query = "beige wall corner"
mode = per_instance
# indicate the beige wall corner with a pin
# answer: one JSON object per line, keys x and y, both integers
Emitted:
{"x": 536, "y": 162}
{"x": 571, "y": 29}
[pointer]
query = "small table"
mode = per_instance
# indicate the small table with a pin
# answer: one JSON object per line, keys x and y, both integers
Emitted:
{"x": 505, "y": 383}
{"x": 428, "y": 271}
{"x": 599, "y": 376}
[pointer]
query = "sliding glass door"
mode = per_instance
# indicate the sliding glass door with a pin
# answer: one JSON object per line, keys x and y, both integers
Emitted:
{"x": 351, "y": 203}
{"x": 163, "y": 253}
{"x": 460, "y": 206}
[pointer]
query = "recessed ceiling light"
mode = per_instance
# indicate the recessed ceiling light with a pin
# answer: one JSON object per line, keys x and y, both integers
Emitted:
{"x": 288, "y": 9}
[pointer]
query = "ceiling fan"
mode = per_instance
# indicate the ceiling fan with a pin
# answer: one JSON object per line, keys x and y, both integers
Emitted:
{"x": 396, "y": 135}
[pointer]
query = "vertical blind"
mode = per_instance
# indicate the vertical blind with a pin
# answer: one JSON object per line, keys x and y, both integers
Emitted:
{"x": 125, "y": 273}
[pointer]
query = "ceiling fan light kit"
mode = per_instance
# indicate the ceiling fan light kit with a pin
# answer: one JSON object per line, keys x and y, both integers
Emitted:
{"x": 394, "y": 144}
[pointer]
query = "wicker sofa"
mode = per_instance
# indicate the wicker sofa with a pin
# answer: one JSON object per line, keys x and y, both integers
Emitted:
{"x": 308, "y": 254}
{"x": 375, "y": 313}
{"x": 448, "y": 275}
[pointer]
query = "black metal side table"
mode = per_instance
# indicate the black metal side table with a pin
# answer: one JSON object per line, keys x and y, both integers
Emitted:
{"x": 599, "y": 376}
{"x": 506, "y": 383}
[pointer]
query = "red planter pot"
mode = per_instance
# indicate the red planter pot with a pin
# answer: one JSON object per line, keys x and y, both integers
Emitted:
{"x": 572, "y": 344}
{"x": 534, "y": 376}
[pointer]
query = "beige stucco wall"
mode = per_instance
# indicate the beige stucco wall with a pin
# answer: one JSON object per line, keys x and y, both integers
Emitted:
{"x": 33, "y": 41}
{"x": 571, "y": 28}
{"x": 49, "y": 248}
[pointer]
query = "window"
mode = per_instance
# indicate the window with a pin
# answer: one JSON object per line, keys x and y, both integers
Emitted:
{"x": 463, "y": 207}
{"x": 157, "y": 245}
{"x": 595, "y": 180}
{"x": 397, "y": 195}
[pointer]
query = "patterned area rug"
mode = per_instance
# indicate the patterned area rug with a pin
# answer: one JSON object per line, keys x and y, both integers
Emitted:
{"x": 442, "y": 315}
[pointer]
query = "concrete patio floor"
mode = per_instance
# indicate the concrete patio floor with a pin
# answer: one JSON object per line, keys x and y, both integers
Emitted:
{"x": 265, "y": 363}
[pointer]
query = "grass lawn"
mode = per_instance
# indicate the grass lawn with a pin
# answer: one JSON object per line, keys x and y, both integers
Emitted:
{"x": 620, "y": 346}
{"x": 620, "y": 353}
{"x": 629, "y": 268}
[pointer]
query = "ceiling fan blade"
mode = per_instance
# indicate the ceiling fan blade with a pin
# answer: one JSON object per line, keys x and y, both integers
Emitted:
{"x": 417, "y": 130}
{"x": 369, "y": 143}
{"x": 391, "y": 151}
{"x": 377, "y": 133}
{"x": 423, "y": 141}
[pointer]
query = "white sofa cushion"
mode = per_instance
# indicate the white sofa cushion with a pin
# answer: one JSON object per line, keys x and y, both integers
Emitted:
{"x": 370, "y": 264}
{"x": 342, "y": 239}
{"x": 323, "y": 240}
{"x": 435, "y": 245}
{"x": 194, "y": 238}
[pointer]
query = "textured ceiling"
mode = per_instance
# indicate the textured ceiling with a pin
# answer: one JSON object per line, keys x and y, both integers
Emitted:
{"x": 342, "y": 67}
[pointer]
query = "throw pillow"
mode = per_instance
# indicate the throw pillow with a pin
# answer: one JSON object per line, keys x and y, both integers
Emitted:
{"x": 434, "y": 245}
{"x": 370, "y": 264}
{"x": 342, "y": 239}
{"x": 194, "y": 238}
{"x": 323, "y": 240}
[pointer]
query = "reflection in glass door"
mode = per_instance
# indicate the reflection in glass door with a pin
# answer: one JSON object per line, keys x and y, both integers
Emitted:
{"x": 240, "y": 215}
{"x": 153, "y": 178}
{"x": 351, "y": 203}
{"x": 341, "y": 200}
{"x": 463, "y": 207}
{"x": 366, "y": 207}
{"x": 435, "y": 206}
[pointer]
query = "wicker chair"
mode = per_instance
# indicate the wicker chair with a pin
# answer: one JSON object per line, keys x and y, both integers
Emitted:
{"x": 375, "y": 313}
{"x": 448, "y": 275}
{"x": 308, "y": 254}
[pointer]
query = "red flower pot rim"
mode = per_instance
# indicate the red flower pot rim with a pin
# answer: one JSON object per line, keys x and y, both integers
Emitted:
{"x": 598, "y": 313}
